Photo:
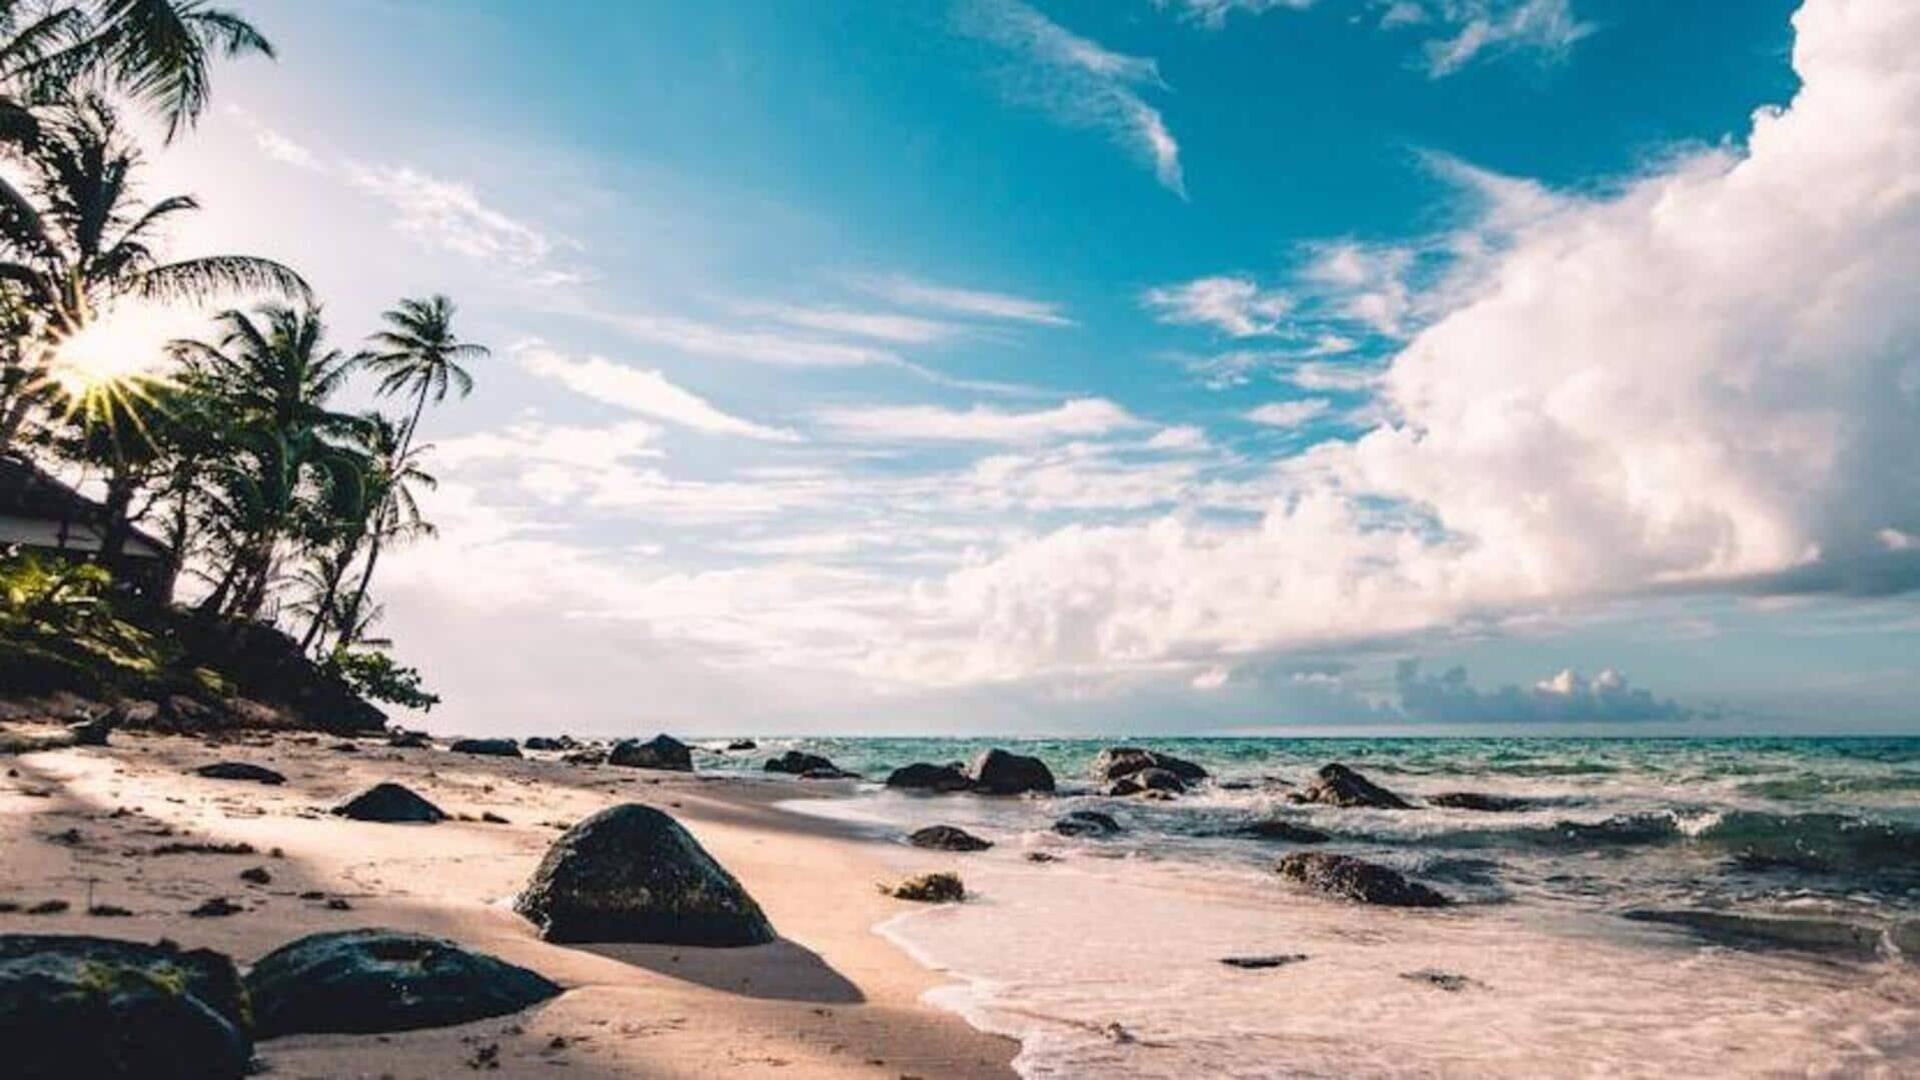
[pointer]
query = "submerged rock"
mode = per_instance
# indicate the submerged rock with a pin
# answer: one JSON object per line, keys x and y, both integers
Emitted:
{"x": 1348, "y": 878}
{"x": 799, "y": 764}
{"x": 390, "y": 802}
{"x": 74, "y": 1006}
{"x": 486, "y": 747}
{"x": 938, "y": 888}
{"x": 997, "y": 772}
{"x": 240, "y": 770}
{"x": 1450, "y": 981}
{"x": 921, "y": 776}
{"x": 1086, "y": 823}
{"x": 1259, "y": 963}
{"x": 1117, "y": 761}
{"x": 1148, "y": 780}
{"x": 364, "y": 981}
{"x": 1473, "y": 800}
{"x": 1785, "y": 931}
{"x": 631, "y": 873}
{"x": 1276, "y": 829}
{"x": 1337, "y": 785}
{"x": 947, "y": 838}
{"x": 659, "y": 752}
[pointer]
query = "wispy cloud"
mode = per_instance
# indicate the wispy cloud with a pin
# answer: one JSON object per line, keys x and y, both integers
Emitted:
{"x": 877, "y": 325}
{"x": 756, "y": 345}
{"x": 969, "y": 302}
{"x": 645, "y": 392}
{"x": 1237, "y": 306}
{"x": 1078, "y": 418}
{"x": 1079, "y": 82}
{"x": 1289, "y": 414}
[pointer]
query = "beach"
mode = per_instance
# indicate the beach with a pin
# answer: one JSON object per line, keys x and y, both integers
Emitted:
{"x": 1164, "y": 947}
{"x": 830, "y": 998}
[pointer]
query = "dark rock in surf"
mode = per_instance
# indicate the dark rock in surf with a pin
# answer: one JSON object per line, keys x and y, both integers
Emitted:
{"x": 739, "y": 745}
{"x": 921, "y": 776}
{"x": 1474, "y": 800}
{"x": 74, "y": 1006}
{"x": 1452, "y": 982}
{"x": 1086, "y": 823}
{"x": 391, "y": 803}
{"x": 1348, "y": 878}
{"x": 1144, "y": 781}
{"x": 486, "y": 747}
{"x": 1276, "y": 829}
{"x": 240, "y": 770}
{"x": 797, "y": 763}
{"x": 1117, "y": 761}
{"x": 547, "y": 742}
{"x": 997, "y": 772}
{"x": 1791, "y": 932}
{"x": 659, "y": 752}
{"x": 366, "y": 981}
{"x": 1337, "y": 785}
{"x": 947, "y": 838}
{"x": 631, "y": 873}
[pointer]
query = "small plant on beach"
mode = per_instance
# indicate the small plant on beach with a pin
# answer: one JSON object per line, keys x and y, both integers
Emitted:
{"x": 374, "y": 675}
{"x": 942, "y": 887}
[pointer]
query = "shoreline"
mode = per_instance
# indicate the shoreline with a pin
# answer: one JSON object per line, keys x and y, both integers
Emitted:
{"x": 832, "y": 997}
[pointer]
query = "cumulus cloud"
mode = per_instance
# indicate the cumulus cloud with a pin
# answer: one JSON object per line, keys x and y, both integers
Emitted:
{"x": 1079, "y": 82}
{"x": 1565, "y": 697}
{"x": 1236, "y": 306}
{"x": 1706, "y": 379}
{"x": 645, "y": 392}
{"x": 1077, "y": 418}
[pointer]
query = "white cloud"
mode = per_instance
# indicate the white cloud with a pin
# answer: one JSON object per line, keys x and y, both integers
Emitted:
{"x": 1077, "y": 418}
{"x": 1705, "y": 380}
{"x": 878, "y": 325}
{"x": 757, "y": 346}
{"x": 1236, "y": 306}
{"x": 1289, "y": 414}
{"x": 450, "y": 216}
{"x": 1457, "y": 32}
{"x": 1567, "y": 697}
{"x": 1182, "y": 437}
{"x": 969, "y": 302}
{"x": 1080, "y": 83}
{"x": 645, "y": 392}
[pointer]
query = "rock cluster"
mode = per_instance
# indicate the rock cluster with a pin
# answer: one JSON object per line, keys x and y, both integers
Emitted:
{"x": 1348, "y": 878}
{"x": 659, "y": 752}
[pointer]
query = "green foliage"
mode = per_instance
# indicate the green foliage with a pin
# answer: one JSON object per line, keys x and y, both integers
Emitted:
{"x": 375, "y": 676}
{"x": 60, "y": 623}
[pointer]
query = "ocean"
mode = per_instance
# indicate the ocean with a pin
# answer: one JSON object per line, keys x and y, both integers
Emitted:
{"x": 1106, "y": 959}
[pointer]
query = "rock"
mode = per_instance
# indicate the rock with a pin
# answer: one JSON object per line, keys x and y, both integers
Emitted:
{"x": 632, "y": 873}
{"x": 1042, "y": 857}
{"x": 410, "y": 740}
{"x": 797, "y": 763}
{"x": 739, "y": 745}
{"x": 938, "y": 888}
{"x": 1258, "y": 963}
{"x": 829, "y": 773}
{"x": 375, "y": 980}
{"x": 1086, "y": 823}
{"x": 92, "y": 732}
{"x": 390, "y": 803}
{"x": 240, "y": 770}
{"x": 947, "y": 838}
{"x": 1440, "y": 980}
{"x": 592, "y": 756}
{"x": 73, "y": 1006}
{"x": 997, "y": 772}
{"x": 921, "y": 776}
{"x": 217, "y": 907}
{"x": 659, "y": 752}
{"x": 1275, "y": 829}
{"x": 1117, "y": 761}
{"x": 485, "y": 747}
{"x": 1473, "y": 800}
{"x": 542, "y": 742}
{"x": 1793, "y": 932}
{"x": 256, "y": 875}
{"x": 1349, "y": 878}
{"x": 1337, "y": 785}
{"x": 1148, "y": 780}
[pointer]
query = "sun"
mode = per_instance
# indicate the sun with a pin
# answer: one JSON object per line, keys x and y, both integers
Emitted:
{"x": 104, "y": 355}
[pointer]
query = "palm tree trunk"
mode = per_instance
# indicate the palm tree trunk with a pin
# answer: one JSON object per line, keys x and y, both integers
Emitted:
{"x": 10, "y": 423}
{"x": 380, "y": 520}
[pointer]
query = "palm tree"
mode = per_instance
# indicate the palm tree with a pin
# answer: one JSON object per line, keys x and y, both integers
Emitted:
{"x": 81, "y": 243}
{"x": 418, "y": 354}
{"x": 385, "y": 507}
{"x": 287, "y": 454}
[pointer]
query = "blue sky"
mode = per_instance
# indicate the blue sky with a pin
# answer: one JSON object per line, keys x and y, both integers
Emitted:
{"x": 1128, "y": 365}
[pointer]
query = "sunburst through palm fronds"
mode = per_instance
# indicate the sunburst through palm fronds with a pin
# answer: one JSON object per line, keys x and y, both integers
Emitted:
{"x": 106, "y": 381}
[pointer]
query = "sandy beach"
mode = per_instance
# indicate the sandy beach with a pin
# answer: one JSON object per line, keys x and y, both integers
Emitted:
{"x": 830, "y": 998}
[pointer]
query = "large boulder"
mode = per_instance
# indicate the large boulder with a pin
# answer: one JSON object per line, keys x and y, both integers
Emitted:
{"x": 1337, "y": 785}
{"x": 390, "y": 802}
{"x": 997, "y": 772}
{"x": 119, "y": 1010}
{"x": 659, "y": 752}
{"x": 1117, "y": 761}
{"x": 632, "y": 873}
{"x": 1348, "y": 878}
{"x": 240, "y": 770}
{"x": 486, "y": 747}
{"x": 799, "y": 764}
{"x": 921, "y": 776}
{"x": 947, "y": 838}
{"x": 364, "y": 981}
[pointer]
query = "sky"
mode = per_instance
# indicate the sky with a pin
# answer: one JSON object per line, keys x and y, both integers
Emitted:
{"x": 1127, "y": 366}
